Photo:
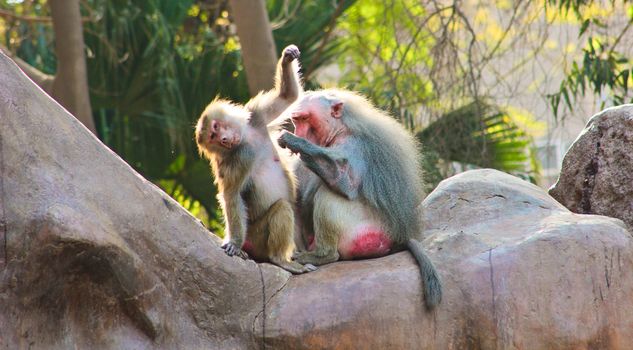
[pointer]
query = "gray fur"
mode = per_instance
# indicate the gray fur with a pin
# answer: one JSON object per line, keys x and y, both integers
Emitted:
{"x": 379, "y": 164}
{"x": 392, "y": 181}
{"x": 381, "y": 153}
{"x": 431, "y": 281}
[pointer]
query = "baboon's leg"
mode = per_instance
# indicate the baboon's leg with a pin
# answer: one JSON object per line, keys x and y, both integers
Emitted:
{"x": 280, "y": 229}
{"x": 326, "y": 232}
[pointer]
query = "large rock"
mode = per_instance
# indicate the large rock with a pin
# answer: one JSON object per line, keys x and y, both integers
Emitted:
{"x": 597, "y": 172}
{"x": 519, "y": 270}
{"x": 94, "y": 256}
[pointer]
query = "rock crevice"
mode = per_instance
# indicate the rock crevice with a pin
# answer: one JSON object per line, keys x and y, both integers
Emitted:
{"x": 597, "y": 172}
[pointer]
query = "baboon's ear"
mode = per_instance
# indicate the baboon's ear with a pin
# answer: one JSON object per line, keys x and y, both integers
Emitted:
{"x": 337, "y": 109}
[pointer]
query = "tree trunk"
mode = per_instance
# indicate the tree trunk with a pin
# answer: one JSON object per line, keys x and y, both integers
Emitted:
{"x": 70, "y": 87}
{"x": 256, "y": 39}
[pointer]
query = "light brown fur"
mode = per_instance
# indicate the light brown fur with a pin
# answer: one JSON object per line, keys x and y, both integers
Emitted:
{"x": 255, "y": 188}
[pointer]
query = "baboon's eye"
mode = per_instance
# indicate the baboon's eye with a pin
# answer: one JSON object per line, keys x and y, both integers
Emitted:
{"x": 215, "y": 126}
{"x": 213, "y": 134}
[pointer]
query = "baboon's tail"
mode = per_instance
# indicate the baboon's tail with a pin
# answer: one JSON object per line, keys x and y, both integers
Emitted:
{"x": 432, "y": 284}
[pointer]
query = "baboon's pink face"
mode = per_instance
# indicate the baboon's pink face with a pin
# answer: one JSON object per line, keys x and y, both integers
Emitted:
{"x": 213, "y": 133}
{"x": 317, "y": 119}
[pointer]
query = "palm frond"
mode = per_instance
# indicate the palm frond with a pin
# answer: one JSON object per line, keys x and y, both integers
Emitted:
{"x": 480, "y": 135}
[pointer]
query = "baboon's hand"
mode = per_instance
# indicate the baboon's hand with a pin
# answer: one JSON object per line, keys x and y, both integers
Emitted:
{"x": 291, "y": 53}
{"x": 282, "y": 141}
{"x": 289, "y": 141}
{"x": 232, "y": 249}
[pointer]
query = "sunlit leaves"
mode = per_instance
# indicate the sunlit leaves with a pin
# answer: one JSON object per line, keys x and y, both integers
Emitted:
{"x": 158, "y": 63}
{"x": 480, "y": 135}
{"x": 388, "y": 47}
{"x": 311, "y": 26}
{"x": 32, "y": 41}
{"x": 603, "y": 69}
{"x": 403, "y": 55}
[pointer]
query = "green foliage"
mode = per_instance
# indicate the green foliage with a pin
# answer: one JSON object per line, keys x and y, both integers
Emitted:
{"x": 147, "y": 90}
{"x": 603, "y": 68}
{"x": 478, "y": 135}
{"x": 310, "y": 24}
{"x": 391, "y": 51}
{"x": 386, "y": 48}
{"x": 157, "y": 64}
{"x": 154, "y": 65}
{"x": 31, "y": 41}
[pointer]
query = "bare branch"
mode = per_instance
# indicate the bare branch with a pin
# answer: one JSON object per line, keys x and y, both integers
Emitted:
{"x": 43, "y": 80}
{"x": 326, "y": 38}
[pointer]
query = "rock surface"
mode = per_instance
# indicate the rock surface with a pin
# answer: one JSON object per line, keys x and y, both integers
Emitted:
{"x": 597, "y": 172}
{"x": 94, "y": 256}
{"x": 520, "y": 272}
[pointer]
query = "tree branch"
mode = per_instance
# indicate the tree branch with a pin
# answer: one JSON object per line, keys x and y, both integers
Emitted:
{"x": 33, "y": 19}
{"x": 326, "y": 38}
{"x": 43, "y": 80}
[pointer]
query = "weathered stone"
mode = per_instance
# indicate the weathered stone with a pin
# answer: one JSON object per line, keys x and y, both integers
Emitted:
{"x": 94, "y": 256}
{"x": 597, "y": 172}
{"x": 519, "y": 271}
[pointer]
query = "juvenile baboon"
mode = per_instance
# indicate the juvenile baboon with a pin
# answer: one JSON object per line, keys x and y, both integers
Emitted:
{"x": 361, "y": 183}
{"x": 255, "y": 189}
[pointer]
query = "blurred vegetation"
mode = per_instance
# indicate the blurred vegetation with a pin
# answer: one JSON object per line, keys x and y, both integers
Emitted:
{"x": 153, "y": 65}
{"x": 605, "y": 67}
{"x": 412, "y": 59}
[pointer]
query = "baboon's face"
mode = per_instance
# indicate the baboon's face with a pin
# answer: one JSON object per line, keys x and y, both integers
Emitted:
{"x": 214, "y": 133}
{"x": 317, "y": 118}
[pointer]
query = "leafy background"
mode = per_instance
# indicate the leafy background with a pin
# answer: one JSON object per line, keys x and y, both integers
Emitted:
{"x": 154, "y": 65}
